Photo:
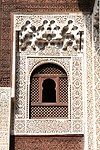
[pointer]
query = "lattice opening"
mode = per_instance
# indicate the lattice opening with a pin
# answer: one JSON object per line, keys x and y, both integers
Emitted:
{"x": 49, "y": 68}
{"x": 48, "y": 85}
{"x": 63, "y": 89}
{"x": 34, "y": 90}
{"x": 49, "y": 111}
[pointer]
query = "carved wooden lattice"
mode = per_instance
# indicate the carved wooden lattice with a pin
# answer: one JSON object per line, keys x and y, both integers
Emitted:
{"x": 43, "y": 110}
{"x": 49, "y": 69}
{"x": 34, "y": 90}
{"x": 63, "y": 89}
{"x": 49, "y": 111}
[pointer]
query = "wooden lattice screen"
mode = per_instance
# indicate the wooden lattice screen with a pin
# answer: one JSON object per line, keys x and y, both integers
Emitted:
{"x": 38, "y": 109}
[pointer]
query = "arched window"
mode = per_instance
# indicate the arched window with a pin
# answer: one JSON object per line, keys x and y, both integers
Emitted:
{"x": 48, "y": 91}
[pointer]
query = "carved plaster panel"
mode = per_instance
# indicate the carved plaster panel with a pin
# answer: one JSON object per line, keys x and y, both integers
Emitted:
{"x": 96, "y": 44}
{"x": 5, "y": 102}
{"x": 52, "y": 28}
{"x": 43, "y": 35}
{"x": 20, "y": 87}
{"x": 77, "y": 99}
{"x": 89, "y": 104}
{"x": 48, "y": 126}
{"x": 28, "y": 64}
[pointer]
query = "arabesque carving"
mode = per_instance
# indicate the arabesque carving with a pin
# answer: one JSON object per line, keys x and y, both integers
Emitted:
{"x": 51, "y": 34}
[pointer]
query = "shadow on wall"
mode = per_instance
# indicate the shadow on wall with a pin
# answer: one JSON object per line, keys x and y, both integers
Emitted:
{"x": 86, "y": 5}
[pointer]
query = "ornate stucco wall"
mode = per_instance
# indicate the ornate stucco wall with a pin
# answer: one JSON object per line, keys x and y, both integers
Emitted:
{"x": 81, "y": 65}
{"x": 70, "y": 59}
{"x": 96, "y": 60}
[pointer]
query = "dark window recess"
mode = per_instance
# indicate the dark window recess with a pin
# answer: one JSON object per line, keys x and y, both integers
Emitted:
{"x": 49, "y": 92}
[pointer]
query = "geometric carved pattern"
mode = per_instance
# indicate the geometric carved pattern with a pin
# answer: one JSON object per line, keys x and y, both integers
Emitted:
{"x": 89, "y": 77}
{"x": 5, "y": 102}
{"x": 77, "y": 102}
{"x": 20, "y": 92}
{"x": 34, "y": 126}
{"x": 63, "y": 62}
{"x": 49, "y": 111}
{"x": 27, "y": 61}
{"x": 96, "y": 34}
{"x": 19, "y": 126}
{"x": 34, "y": 90}
{"x": 48, "y": 126}
{"x": 22, "y": 101}
{"x": 77, "y": 126}
{"x": 97, "y": 98}
{"x": 63, "y": 89}
{"x": 50, "y": 69}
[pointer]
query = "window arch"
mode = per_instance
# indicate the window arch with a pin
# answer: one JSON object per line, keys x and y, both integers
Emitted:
{"x": 48, "y": 88}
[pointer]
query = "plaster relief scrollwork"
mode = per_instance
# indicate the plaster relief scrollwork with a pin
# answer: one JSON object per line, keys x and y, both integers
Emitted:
{"x": 48, "y": 126}
{"x": 50, "y": 34}
{"x": 56, "y": 35}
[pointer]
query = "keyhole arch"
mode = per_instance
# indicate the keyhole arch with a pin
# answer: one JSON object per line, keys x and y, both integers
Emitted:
{"x": 49, "y": 91}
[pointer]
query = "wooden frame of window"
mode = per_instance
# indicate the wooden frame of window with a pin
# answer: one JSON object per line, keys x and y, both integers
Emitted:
{"x": 56, "y": 80}
{"x": 54, "y": 77}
